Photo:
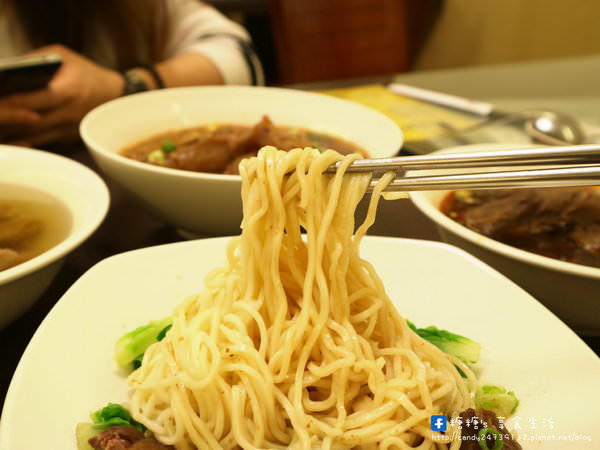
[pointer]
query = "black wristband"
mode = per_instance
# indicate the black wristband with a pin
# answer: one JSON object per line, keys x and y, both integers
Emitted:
{"x": 160, "y": 84}
{"x": 133, "y": 83}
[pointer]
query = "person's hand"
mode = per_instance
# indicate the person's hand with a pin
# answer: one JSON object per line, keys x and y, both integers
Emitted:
{"x": 53, "y": 114}
{"x": 15, "y": 119}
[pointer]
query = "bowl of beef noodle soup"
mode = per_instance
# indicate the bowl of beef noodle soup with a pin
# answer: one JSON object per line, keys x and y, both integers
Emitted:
{"x": 545, "y": 240}
{"x": 176, "y": 151}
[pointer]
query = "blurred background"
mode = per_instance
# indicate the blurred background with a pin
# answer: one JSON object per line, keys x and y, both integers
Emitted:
{"x": 301, "y": 41}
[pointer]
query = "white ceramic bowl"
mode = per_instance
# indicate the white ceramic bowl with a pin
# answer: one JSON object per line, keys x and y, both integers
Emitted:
{"x": 571, "y": 291}
{"x": 86, "y": 199}
{"x": 204, "y": 203}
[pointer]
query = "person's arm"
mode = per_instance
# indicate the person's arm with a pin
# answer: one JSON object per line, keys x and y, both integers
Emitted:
{"x": 187, "y": 69}
{"x": 53, "y": 113}
{"x": 199, "y": 29}
{"x": 204, "y": 48}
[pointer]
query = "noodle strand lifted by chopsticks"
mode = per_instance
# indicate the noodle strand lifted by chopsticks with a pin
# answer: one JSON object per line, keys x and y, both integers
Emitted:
{"x": 294, "y": 343}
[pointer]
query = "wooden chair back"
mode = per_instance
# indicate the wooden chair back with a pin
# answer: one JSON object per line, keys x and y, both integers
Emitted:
{"x": 336, "y": 39}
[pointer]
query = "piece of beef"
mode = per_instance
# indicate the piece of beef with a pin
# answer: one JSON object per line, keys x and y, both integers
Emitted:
{"x": 470, "y": 430}
{"x": 260, "y": 135}
{"x": 9, "y": 258}
{"x": 531, "y": 211}
{"x": 213, "y": 156}
{"x": 120, "y": 437}
{"x": 16, "y": 227}
{"x": 562, "y": 223}
{"x": 587, "y": 236}
{"x": 150, "y": 444}
{"x": 214, "y": 151}
{"x": 255, "y": 138}
{"x": 124, "y": 437}
{"x": 266, "y": 133}
{"x": 233, "y": 168}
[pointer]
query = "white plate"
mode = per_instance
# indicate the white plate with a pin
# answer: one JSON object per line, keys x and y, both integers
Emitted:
{"x": 67, "y": 370}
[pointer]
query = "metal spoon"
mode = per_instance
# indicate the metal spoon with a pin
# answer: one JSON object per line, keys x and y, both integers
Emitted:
{"x": 544, "y": 126}
{"x": 553, "y": 128}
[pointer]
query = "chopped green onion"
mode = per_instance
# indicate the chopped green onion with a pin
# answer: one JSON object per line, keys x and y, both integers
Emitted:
{"x": 168, "y": 146}
{"x": 482, "y": 439}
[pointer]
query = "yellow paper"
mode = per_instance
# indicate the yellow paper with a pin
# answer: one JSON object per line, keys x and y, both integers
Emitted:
{"x": 418, "y": 120}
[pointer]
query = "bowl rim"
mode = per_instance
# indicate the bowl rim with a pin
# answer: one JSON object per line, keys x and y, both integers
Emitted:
{"x": 116, "y": 157}
{"x": 76, "y": 235}
{"x": 426, "y": 206}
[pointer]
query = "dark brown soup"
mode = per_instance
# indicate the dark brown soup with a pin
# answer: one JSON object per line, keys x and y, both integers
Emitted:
{"x": 220, "y": 148}
{"x": 31, "y": 222}
{"x": 561, "y": 223}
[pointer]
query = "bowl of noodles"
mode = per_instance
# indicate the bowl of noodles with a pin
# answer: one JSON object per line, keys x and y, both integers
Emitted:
{"x": 49, "y": 205}
{"x": 176, "y": 151}
{"x": 545, "y": 240}
{"x": 295, "y": 341}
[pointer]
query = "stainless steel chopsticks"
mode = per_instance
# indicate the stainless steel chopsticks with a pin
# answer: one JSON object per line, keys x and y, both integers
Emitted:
{"x": 555, "y": 177}
{"x": 577, "y": 165}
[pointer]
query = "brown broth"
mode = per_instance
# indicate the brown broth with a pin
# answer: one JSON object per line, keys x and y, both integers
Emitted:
{"x": 218, "y": 148}
{"x": 31, "y": 222}
{"x": 572, "y": 237}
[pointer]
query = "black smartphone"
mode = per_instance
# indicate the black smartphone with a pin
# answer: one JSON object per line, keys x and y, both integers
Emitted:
{"x": 27, "y": 73}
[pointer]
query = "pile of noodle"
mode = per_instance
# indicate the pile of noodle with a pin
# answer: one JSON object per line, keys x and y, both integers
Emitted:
{"x": 294, "y": 342}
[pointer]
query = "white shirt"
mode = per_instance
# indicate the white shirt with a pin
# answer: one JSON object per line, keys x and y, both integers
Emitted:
{"x": 194, "y": 27}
